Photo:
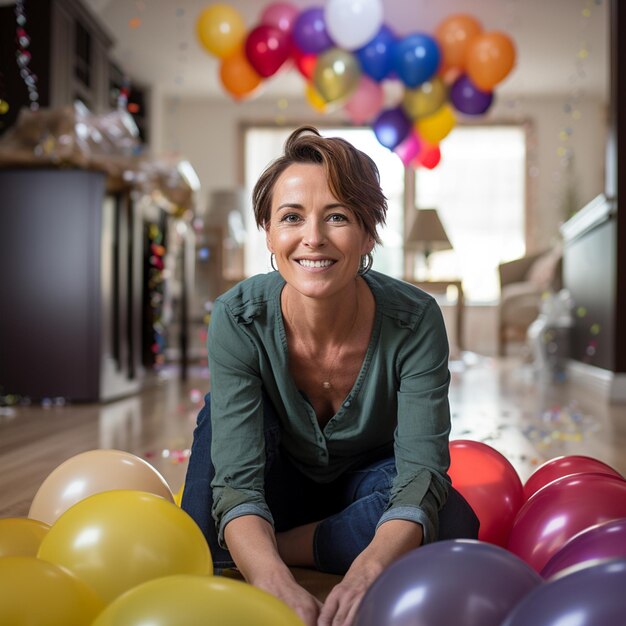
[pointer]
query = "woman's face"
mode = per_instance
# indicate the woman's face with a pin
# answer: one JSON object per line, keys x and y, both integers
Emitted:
{"x": 317, "y": 241}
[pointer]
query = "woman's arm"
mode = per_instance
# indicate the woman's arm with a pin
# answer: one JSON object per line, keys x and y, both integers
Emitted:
{"x": 252, "y": 544}
{"x": 392, "y": 540}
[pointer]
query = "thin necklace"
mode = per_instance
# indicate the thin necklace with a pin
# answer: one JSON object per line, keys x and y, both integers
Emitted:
{"x": 326, "y": 382}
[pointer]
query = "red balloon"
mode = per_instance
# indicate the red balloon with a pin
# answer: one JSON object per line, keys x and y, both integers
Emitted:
{"x": 565, "y": 507}
{"x": 267, "y": 48}
{"x": 490, "y": 484}
{"x": 562, "y": 466}
{"x": 305, "y": 61}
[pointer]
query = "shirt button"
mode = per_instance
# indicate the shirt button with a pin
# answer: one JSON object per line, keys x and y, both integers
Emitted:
{"x": 346, "y": 403}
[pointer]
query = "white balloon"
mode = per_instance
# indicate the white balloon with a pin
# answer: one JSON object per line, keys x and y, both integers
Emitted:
{"x": 353, "y": 23}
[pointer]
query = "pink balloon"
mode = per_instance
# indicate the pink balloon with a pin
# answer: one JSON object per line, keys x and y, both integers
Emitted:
{"x": 490, "y": 484}
{"x": 588, "y": 547}
{"x": 409, "y": 148}
{"x": 366, "y": 101}
{"x": 560, "y": 510}
{"x": 562, "y": 466}
{"x": 282, "y": 15}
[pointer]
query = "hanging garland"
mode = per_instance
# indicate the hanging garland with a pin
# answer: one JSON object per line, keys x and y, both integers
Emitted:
{"x": 348, "y": 55}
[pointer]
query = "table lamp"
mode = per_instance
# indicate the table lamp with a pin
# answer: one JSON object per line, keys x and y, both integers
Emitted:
{"x": 427, "y": 235}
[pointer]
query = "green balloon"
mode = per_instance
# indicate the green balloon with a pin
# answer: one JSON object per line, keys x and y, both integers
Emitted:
{"x": 336, "y": 74}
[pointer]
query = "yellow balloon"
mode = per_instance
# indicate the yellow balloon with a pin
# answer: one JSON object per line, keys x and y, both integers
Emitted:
{"x": 336, "y": 75}
{"x": 315, "y": 99}
{"x": 116, "y": 540}
{"x": 178, "y": 496}
{"x": 221, "y": 29}
{"x": 197, "y": 601}
{"x": 92, "y": 472}
{"x": 435, "y": 127}
{"x": 424, "y": 99}
{"x": 20, "y": 536}
{"x": 36, "y": 593}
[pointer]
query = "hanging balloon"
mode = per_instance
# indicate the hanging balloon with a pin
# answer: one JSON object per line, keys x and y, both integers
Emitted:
{"x": 433, "y": 128}
{"x": 221, "y": 29}
{"x": 238, "y": 77}
{"x": 281, "y": 15}
{"x": 429, "y": 156}
{"x": 376, "y": 57}
{"x": 305, "y": 61}
{"x": 467, "y": 98}
{"x": 336, "y": 74}
{"x": 409, "y": 149}
{"x": 309, "y": 31}
{"x": 490, "y": 57}
{"x": 453, "y": 35}
{"x": 366, "y": 101}
{"x": 416, "y": 58}
{"x": 425, "y": 99}
{"x": 391, "y": 127}
{"x": 352, "y": 23}
{"x": 267, "y": 48}
{"x": 314, "y": 98}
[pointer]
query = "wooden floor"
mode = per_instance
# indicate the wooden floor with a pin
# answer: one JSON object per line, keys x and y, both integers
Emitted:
{"x": 499, "y": 402}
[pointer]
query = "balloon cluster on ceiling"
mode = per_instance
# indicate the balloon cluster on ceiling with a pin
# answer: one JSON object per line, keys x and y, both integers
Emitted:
{"x": 348, "y": 56}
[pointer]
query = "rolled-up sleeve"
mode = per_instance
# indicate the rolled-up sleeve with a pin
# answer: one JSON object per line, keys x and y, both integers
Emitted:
{"x": 421, "y": 441}
{"x": 237, "y": 450}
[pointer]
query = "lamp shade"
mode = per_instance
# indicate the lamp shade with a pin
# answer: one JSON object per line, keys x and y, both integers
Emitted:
{"x": 427, "y": 233}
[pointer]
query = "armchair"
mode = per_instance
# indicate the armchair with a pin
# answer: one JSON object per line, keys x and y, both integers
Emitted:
{"x": 522, "y": 285}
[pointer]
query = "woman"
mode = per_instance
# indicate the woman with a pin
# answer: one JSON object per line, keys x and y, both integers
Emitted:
{"x": 324, "y": 442}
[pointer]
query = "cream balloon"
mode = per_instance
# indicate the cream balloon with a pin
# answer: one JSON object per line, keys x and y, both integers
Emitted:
{"x": 93, "y": 472}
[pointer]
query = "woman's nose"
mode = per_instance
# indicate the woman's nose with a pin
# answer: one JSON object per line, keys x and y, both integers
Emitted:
{"x": 314, "y": 234}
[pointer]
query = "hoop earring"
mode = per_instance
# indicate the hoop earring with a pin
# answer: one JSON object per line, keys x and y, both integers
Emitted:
{"x": 272, "y": 256}
{"x": 367, "y": 260}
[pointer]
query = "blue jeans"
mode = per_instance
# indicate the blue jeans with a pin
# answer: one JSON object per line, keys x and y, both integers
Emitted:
{"x": 349, "y": 508}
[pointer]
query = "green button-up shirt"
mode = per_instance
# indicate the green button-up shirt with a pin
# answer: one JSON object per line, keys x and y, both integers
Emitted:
{"x": 399, "y": 401}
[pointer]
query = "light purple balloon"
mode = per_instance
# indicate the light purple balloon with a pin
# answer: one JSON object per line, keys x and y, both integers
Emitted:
{"x": 596, "y": 543}
{"x": 467, "y": 98}
{"x": 309, "y": 31}
{"x": 391, "y": 127}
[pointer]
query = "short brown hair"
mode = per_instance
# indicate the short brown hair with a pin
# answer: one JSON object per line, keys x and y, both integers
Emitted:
{"x": 352, "y": 175}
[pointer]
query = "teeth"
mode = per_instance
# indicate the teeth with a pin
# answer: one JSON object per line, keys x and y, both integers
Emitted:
{"x": 307, "y": 263}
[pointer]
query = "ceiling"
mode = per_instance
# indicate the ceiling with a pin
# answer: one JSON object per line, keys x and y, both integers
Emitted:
{"x": 562, "y": 45}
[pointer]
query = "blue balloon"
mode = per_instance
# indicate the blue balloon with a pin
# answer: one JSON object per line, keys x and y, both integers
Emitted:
{"x": 467, "y": 98}
{"x": 391, "y": 127}
{"x": 416, "y": 58}
{"x": 309, "y": 31}
{"x": 376, "y": 57}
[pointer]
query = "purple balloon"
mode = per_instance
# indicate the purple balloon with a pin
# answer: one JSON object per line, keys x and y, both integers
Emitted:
{"x": 460, "y": 581}
{"x": 590, "y": 597}
{"x": 467, "y": 98}
{"x": 391, "y": 127}
{"x": 596, "y": 543}
{"x": 309, "y": 31}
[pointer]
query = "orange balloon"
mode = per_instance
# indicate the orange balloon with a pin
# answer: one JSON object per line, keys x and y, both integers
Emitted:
{"x": 220, "y": 29}
{"x": 490, "y": 58}
{"x": 238, "y": 77}
{"x": 453, "y": 36}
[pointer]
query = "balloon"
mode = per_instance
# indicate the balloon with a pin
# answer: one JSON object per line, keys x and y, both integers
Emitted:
{"x": 238, "y": 77}
{"x": 282, "y": 15}
{"x": 93, "y": 472}
{"x": 453, "y": 35}
{"x": 221, "y": 29}
{"x": 429, "y": 156}
{"x": 560, "y": 510}
{"x": 366, "y": 101}
{"x": 315, "y": 99}
{"x": 424, "y": 99}
{"x": 336, "y": 74}
{"x": 460, "y": 581}
{"x": 433, "y": 128}
{"x": 20, "y": 536}
{"x": 178, "y": 496}
{"x": 267, "y": 48}
{"x": 564, "y": 466}
{"x": 490, "y": 58}
{"x": 352, "y": 23}
{"x": 409, "y": 149}
{"x": 416, "y": 58}
{"x": 34, "y": 592}
{"x": 376, "y": 57}
{"x": 596, "y": 543}
{"x": 305, "y": 62}
{"x": 391, "y": 127}
{"x": 591, "y": 597}
{"x": 116, "y": 540}
{"x": 467, "y": 98}
{"x": 490, "y": 484}
{"x": 197, "y": 601}
{"x": 309, "y": 31}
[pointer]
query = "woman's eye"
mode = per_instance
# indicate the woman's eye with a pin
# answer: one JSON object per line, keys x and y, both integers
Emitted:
{"x": 338, "y": 217}
{"x": 291, "y": 218}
